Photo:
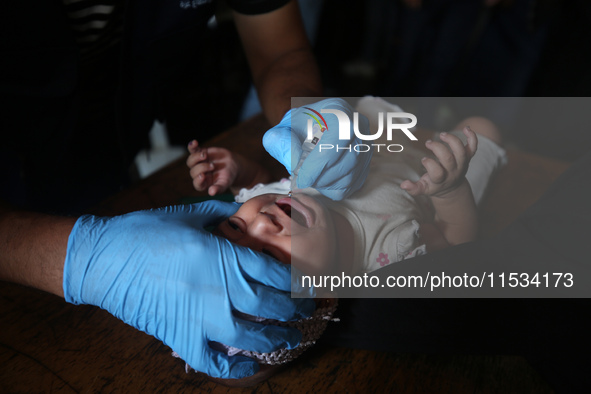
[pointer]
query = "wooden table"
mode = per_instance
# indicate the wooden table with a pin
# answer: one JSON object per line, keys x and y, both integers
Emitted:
{"x": 47, "y": 345}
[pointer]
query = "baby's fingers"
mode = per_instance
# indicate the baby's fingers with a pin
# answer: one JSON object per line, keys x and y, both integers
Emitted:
{"x": 414, "y": 188}
{"x": 193, "y": 146}
{"x": 217, "y": 187}
{"x": 202, "y": 175}
{"x": 472, "y": 141}
{"x": 222, "y": 180}
{"x": 435, "y": 171}
{"x": 198, "y": 156}
{"x": 457, "y": 148}
{"x": 444, "y": 154}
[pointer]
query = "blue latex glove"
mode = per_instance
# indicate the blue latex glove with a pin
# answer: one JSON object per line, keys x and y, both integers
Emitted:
{"x": 336, "y": 174}
{"x": 160, "y": 272}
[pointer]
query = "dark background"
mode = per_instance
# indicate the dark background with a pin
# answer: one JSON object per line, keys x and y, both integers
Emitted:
{"x": 518, "y": 48}
{"x": 445, "y": 48}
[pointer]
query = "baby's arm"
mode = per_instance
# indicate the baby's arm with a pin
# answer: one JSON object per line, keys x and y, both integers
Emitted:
{"x": 445, "y": 182}
{"x": 217, "y": 169}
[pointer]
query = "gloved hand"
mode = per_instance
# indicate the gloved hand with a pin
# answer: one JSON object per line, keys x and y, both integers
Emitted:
{"x": 334, "y": 173}
{"x": 160, "y": 272}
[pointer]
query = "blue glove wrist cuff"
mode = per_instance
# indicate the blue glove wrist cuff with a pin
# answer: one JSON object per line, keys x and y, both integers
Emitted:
{"x": 74, "y": 265}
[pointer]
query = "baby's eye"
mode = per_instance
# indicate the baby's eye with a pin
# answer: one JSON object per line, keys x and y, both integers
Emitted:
{"x": 234, "y": 226}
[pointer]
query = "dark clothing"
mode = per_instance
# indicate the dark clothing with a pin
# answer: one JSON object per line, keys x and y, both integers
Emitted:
{"x": 552, "y": 236}
{"x": 71, "y": 127}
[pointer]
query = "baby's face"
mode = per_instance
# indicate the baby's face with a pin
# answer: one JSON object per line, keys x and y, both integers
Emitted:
{"x": 294, "y": 230}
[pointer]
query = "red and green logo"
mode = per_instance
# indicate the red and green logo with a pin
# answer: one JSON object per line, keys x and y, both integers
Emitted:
{"x": 323, "y": 126}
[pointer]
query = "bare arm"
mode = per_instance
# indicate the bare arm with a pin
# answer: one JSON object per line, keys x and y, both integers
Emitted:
{"x": 33, "y": 249}
{"x": 456, "y": 215}
{"x": 456, "y": 220}
{"x": 280, "y": 58}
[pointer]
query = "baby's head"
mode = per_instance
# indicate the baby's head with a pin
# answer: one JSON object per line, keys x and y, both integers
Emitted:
{"x": 296, "y": 230}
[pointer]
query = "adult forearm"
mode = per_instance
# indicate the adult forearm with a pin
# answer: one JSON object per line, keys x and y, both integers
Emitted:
{"x": 34, "y": 249}
{"x": 456, "y": 215}
{"x": 294, "y": 74}
{"x": 280, "y": 58}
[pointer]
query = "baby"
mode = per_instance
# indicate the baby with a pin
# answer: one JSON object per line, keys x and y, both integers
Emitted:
{"x": 409, "y": 204}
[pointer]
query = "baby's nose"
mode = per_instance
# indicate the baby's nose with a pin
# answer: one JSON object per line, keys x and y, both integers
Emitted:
{"x": 269, "y": 223}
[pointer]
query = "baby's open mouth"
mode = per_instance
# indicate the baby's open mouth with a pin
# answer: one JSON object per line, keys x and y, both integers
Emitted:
{"x": 287, "y": 205}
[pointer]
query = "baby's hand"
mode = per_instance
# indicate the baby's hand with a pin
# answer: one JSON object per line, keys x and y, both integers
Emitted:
{"x": 449, "y": 171}
{"x": 212, "y": 169}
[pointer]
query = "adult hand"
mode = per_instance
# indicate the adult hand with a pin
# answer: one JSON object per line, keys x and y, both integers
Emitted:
{"x": 160, "y": 272}
{"x": 336, "y": 172}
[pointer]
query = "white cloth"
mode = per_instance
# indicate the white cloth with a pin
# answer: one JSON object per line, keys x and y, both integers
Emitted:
{"x": 281, "y": 187}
